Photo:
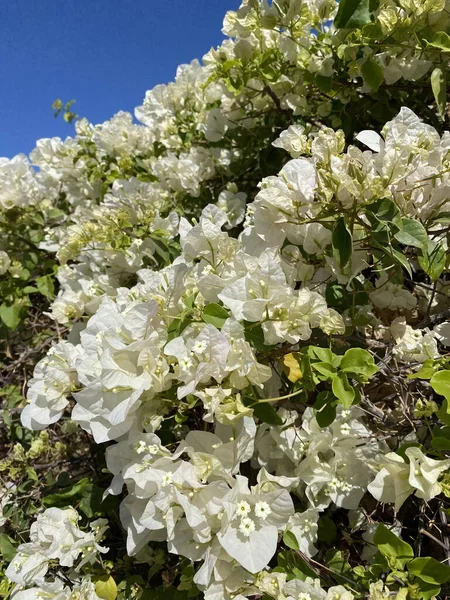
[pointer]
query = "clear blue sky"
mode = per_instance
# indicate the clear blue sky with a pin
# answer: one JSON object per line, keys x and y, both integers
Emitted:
{"x": 103, "y": 53}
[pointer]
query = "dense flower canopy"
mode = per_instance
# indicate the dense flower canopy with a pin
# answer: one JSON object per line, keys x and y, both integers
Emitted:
{"x": 252, "y": 319}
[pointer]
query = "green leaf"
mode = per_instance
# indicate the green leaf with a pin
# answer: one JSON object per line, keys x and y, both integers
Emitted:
{"x": 215, "y": 314}
{"x": 234, "y": 84}
{"x": 430, "y": 570}
{"x": 290, "y": 540}
{"x": 428, "y": 591}
{"x": 444, "y": 413}
{"x": 323, "y": 354}
{"x": 440, "y": 382}
{"x": 161, "y": 249}
{"x": 255, "y": 335}
{"x": 30, "y": 260}
{"x": 372, "y": 74}
{"x": 413, "y": 233}
{"x": 325, "y": 408}
{"x": 7, "y": 550}
{"x": 440, "y": 40}
{"x": 401, "y": 259}
{"x": 327, "y": 530}
{"x": 63, "y": 498}
{"x": 439, "y": 86}
{"x": 31, "y": 473}
{"x": 440, "y": 443}
{"x": 383, "y": 210}
{"x": 10, "y": 315}
{"x": 105, "y": 587}
{"x": 373, "y": 31}
{"x": 343, "y": 390}
{"x": 189, "y": 301}
{"x": 433, "y": 260}
{"x": 45, "y": 286}
{"x": 92, "y": 503}
{"x": 326, "y": 369}
{"x": 267, "y": 414}
{"x": 334, "y": 559}
{"x": 292, "y": 561}
{"x": 337, "y": 296}
{"x": 342, "y": 242}
{"x": 443, "y": 432}
{"x": 396, "y": 551}
{"x": 359, "y": 294}
{"x": 309, "y": 381}
{"x": 324, "y": 84}
{"x": 427, "y": 370}
{"x": 267, "y": 67}
{"x": 366, "y": 574}
{"x": 360, "y": 362}
{"x": 353, "y": 14}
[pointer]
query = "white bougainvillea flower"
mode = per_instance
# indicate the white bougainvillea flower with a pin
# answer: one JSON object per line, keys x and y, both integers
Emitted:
{"x": 252, "y": 540}
{"x": 304, "y": 527}
{"x": 442, "y": 333}
{"x": 54, "y": 378}
{"x": 55, "y": 535}
{"x": 424, "y": 473}
{"x": 200, "y": 358}
{"x": 232, "y": 202}
{"x": 304, "y": 590}
{"x": 391, "y": 484}
{"x": 293, "y": 140}
{"x": 396, "y": 480}
{"x": 411, "y": 345}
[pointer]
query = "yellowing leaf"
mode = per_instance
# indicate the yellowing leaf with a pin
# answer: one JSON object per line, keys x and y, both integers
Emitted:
{"x": 106, "y": 588}
{"x": 291, "y": 366}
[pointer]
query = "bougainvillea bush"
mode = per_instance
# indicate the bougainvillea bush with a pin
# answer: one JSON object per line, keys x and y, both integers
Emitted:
{"x": 230, "y": 318}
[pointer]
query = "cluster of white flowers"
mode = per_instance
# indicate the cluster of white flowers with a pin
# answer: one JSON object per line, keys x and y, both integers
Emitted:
{"x": 288, "y": 236}
{"x": 20, "y": 185}
{"x": 326, "y": 464}
{"x": 82, "y": 590}
{"x": 55, "y": 536}
{"x": 124, "y": 359}
{"x": 287, "y": 209}
{"x": 207, "y": 512}
{"x": 199, "y": 106}
{"x": 298, "y": 40}
{"x": 120, "y": 173}
{"x": 396, "y": 479}
{"x": 181, "y": 334}
{"x": 176, "y": 317}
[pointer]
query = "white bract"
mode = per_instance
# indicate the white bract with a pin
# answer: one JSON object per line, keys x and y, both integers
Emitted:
{"x": 55, "y": 536}
{"x": 396, "y": 480}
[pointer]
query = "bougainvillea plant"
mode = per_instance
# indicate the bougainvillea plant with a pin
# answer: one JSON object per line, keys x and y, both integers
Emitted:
{"x": 226, "y": 356}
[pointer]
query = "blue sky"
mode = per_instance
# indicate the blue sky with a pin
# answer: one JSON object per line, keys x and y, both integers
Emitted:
{"x": 103, "y": 53}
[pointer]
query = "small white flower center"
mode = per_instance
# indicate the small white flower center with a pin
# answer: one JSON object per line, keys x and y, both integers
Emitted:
{"x": 262, "y": 510}
{"x": 247, "y": 527}
{"x": 242, "y": 509}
